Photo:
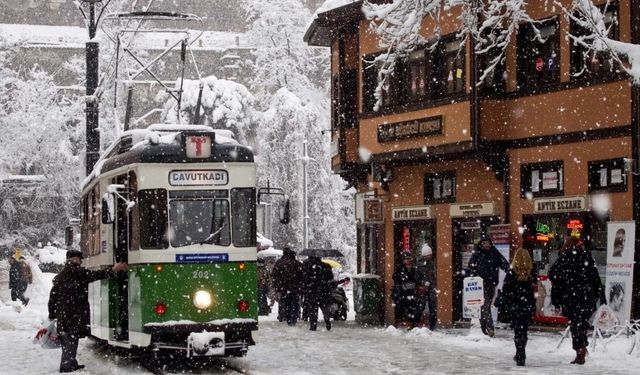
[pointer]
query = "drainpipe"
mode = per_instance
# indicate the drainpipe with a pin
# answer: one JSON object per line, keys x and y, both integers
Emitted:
{"x": 635, "y": 149}
{"x": 474, "y": 102}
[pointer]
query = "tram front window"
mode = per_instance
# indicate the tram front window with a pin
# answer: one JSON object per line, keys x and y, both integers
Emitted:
{"x": 201, "y": 221}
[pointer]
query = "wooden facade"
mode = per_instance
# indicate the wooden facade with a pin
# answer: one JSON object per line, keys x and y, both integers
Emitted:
{"x": 551, "y": 122}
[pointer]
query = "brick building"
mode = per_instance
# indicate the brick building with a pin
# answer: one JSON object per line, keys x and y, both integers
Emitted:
{"x": 528, "y": 156}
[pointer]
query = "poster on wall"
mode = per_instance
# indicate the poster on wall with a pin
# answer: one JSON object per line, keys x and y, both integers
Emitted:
{"x": 619, "y": 282}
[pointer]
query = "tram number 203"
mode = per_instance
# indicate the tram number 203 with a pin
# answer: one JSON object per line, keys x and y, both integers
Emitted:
{"x": 200, "y": 274}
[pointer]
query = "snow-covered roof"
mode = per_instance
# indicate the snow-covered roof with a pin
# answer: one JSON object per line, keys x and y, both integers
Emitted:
{"x": 330, "y": 16}
{"x": 75, "y": 37}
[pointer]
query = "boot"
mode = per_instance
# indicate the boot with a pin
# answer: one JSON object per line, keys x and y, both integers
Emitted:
{"x": 581, "y": 355}
{"x": 521, "y": 355}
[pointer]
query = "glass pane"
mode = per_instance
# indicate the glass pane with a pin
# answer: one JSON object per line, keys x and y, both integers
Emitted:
{"x": 153, "y": 219}
{"x": 199, "y": 222}
{"x": 244, "y": 217}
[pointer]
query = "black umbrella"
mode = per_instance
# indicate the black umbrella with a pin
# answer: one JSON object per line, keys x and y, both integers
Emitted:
{"x": 322, "y": 253}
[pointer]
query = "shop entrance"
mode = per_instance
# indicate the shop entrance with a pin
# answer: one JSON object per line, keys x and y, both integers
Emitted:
{"x": 410, "y": 236}
{"x": 466, "y": 236}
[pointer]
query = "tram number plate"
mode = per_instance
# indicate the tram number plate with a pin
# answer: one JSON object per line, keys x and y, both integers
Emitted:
{"x": 200, "y": 274}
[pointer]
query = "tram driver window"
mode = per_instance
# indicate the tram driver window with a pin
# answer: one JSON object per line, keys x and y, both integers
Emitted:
{"x": 198, "y": 220}
{"x": 153, "y": 219}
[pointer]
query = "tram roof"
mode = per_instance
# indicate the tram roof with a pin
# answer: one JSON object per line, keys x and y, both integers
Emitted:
{"x": 161, "y": 143}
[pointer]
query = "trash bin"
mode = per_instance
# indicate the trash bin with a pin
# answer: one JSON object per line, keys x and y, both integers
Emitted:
{"x": 367, "y": 299}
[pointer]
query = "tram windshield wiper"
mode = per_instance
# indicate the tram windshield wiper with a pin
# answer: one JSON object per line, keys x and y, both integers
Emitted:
{"x": 212, "y": 234}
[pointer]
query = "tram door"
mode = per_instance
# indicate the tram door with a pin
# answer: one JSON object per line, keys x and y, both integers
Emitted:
{"x": 121, "y": 240}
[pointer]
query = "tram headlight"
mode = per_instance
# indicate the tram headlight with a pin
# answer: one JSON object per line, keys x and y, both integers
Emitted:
{"x": 202, "y": 299}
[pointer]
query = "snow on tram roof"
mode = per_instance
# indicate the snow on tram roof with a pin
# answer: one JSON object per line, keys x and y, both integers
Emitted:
{"x": 156, "y": 134}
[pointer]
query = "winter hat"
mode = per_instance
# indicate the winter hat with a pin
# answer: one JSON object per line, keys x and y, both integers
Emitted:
{"x": 426, "y": 250}
{"x": 407, "y": 255}
{"x": 485, "y": 237}
{"x": 74, "y": 253}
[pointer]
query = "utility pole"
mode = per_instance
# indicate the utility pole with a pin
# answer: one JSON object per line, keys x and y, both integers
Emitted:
{"x": 92, "y": 50}
{"x": 305, "y": 219}
{"x": 635, "y": 165}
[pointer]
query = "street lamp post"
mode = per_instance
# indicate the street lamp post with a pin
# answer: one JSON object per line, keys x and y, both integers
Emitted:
{"x": 305, "y": 218}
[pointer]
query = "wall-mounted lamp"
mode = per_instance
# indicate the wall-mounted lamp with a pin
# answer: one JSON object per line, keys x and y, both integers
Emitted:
{"x": 631, "y": 165}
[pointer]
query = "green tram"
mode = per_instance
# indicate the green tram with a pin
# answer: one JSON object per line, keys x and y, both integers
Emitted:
{"x": 178, "y": 203}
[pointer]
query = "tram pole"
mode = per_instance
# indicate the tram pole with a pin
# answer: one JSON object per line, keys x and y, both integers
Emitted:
{"x": 92, "y": 53}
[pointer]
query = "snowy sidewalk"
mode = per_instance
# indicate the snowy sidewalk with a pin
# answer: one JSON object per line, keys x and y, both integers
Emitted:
{"x": 347, "y": 349}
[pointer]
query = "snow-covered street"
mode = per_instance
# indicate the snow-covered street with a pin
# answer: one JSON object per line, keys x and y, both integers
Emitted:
{"x": 347, "y": 349}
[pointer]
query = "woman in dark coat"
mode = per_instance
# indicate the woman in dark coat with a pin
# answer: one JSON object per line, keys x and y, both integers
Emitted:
{"x": 517, "y": 300}
{"x": 576, "y": 289}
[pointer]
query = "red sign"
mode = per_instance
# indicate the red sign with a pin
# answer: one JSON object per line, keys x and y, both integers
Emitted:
{"x": 539, "y": 64}
{"x": 575, "y": 224}
{"x": 198, "y": 146}
{"x": 500, "y": 234}
{"x": 405, "y": 239}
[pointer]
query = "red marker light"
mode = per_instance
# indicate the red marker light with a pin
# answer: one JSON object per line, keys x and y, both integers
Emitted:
{"x": 159, "y": 268}
{"x": 243, "y": 306}
{"x": 242, "y": 266}
{"x": 160, "y": 308}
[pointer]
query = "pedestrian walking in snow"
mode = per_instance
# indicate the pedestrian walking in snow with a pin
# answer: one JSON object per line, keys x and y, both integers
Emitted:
{"x": 263, "y": 288}
{"x": 426, "y": 290}
{"x": 19, "y": 279}
{"x": 517, "y": 301}
{"x": 69, "y": 305}
{"x": 317, "y": 285}
{"x": 287, "y": 278}
{"x": 485, "y": 262}
{"x": 576, "y": 289}
{"x": 404, "y": 292}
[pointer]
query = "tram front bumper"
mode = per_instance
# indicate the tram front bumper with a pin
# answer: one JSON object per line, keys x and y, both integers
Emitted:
{"x": 227, "y": 335}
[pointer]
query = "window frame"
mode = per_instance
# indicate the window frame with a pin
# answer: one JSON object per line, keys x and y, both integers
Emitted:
{"x": 163, "y": 242}
{"x": 528, "y": 43}
{"x": 594, "y": 176}
{"x": 526, "y": 179}
{"x": 580, "y": 55}
{"x": 429, "y": 182}
{"x": 236, "y": 208}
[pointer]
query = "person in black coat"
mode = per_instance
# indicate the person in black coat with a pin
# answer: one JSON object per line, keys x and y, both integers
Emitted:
{"x": 18, "y": 284}
{"x": 69, "y": 305}
{"x": 317, "y": 283}
{"x": 287, "y": 279}
{"x": 405, "y": 281}
{"x": 517, "y": 300}
{"x": 576, "y": 288}
{"x": 485, "y": 262}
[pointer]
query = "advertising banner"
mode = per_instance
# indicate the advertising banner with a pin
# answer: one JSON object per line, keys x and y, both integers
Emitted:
{"x": 619, "y": 282}
{"x": 472, "y": 297}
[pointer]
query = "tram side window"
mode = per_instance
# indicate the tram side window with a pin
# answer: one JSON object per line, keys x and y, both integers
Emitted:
{"x": 153, "y": 219}
{"x": 244, "y": 217}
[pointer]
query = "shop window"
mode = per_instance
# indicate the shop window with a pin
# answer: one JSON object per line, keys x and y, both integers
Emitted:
{"x": 541, "y": 179}
{"x": 539, "y": 54}
{"x": 452, "y": 77}
{"x": 440, "y": 187}
{"x": 425, "y": 74}
{"x": 589, "y": 64}
{"x": 607, "y": 175}
{"x": 419, "y": 68}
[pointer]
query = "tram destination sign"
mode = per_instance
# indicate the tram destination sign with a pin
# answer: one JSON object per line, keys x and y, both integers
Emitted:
{"x": 560, "y": 204}
{"x": 198, "y": 178}
{"x": 410, "y": 129}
